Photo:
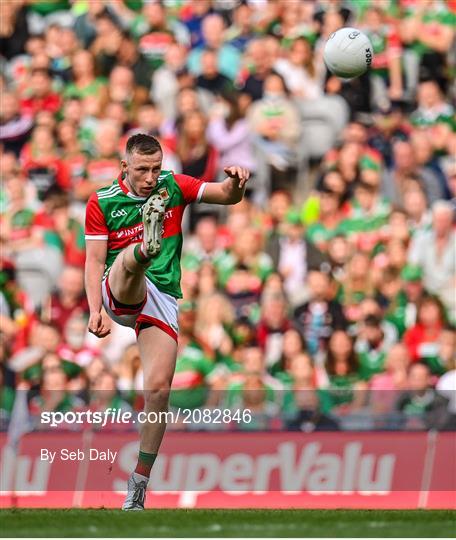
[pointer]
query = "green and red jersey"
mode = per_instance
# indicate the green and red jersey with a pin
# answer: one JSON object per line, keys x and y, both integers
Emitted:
{"x": 114, "y": 214}
{"x": 190, "y": 387}
{"x": 386, "y": 43}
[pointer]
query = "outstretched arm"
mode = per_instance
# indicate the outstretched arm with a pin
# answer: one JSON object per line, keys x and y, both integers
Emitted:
{"x": 230, "y": 191}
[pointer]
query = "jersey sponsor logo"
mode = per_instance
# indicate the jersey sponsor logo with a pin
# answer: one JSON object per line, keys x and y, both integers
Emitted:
{"x": 128, "y": 232}
{"x": 118, "y": 213}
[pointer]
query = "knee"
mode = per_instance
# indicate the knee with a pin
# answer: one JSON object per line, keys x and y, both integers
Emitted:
{"x": 156, "y": 394}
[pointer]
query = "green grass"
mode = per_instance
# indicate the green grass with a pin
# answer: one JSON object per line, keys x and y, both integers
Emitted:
{"x": 227, "y": 523}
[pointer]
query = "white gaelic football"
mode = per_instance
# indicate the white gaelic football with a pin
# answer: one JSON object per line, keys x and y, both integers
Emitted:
{"x": 348, "y": 53}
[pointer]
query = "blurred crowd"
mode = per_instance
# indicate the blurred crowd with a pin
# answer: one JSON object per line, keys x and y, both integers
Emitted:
{"x": 326, "y": 298}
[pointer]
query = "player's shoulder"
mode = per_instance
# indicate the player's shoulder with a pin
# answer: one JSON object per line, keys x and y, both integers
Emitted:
{"x": 108, "y": 192}
{"x": 166, "y": 175}
{"x": 179, "y": 178}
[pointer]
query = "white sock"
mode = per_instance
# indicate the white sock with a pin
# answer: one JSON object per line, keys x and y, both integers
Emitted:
{"x": 139, "y": 477}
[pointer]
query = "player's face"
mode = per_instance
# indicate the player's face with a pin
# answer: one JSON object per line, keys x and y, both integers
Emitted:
{"x": 142, "y": 172}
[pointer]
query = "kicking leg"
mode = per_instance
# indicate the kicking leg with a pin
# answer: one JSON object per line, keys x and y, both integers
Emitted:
{"x": 158, "y": 357}
{"x": 126, "y": 277}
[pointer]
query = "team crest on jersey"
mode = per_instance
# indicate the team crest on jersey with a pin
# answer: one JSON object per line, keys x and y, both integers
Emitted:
{"x": 163, "y": 192}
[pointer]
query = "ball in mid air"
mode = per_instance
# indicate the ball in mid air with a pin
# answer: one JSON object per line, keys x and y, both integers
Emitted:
{"x": 348, "y": 53}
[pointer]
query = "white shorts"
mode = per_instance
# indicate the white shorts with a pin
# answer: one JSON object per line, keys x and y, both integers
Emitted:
{"x": 158, "y": 309}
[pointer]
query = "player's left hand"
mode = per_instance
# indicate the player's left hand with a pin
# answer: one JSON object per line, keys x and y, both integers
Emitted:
{"x": 238, "y": 173}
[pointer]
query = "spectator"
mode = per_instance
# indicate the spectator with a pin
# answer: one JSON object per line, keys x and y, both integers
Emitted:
{"x": 422, "y": 339}
{"x": 74, "y": 349}
{"x": 406, "y": 173}
{"x": 129, "y": 372}
{"x": 85, "y": 24}
{"x": 293, "y": 255}
{"x": 428, "y": 166}
{"x": 386, "y": 386}
{"x": 275, "y": 124}
{"x": 386, "y": 71}
{"x": 416, "y": 208}
{"x": 210, "y": 78}
{"x": 412, "y": 280}
{"x": 73, "y": 156}
{"x": 128, "y": 55}
{"x": 108, "y": 37}
{"x": 321, "y": 315}
{"x": 105, "y": 395}
{"x": 390, "y": 125}
{"x": 241, "y": 32}
{"x": 15, "y": 126}
{"x": 372, "y": 347}
{"x": 426, "y": 32}
{"x": 54, "y": 395}
{"x": 421, "y": 405}
{"x": 273, "y": 323}
{"x": 15, "y": 29}
{"x": 205, "y": 244}
{"x": 330, "y": 217}
{"x": 356, "y": 286}
{"x": 61, "y": 230}
{"x": 44, "y": 339}
{"x": 16, "y": 310}
{"x": 333, "y": 180}
{"x": 154, "y": 32}
{"x": 7, "y": 398}
{"x": 345, "y": 386}
{"x": 85, "y": 82}
{"x": 228, "y": 57}
{"x": 445, "y": 387}
{"x": 198, "y": 11}
{"x": 103, "y": 166}
{"x": 255, "y": 390}
{"x": 434, "y": 251}
{"x": 246, "y": 255}
{"x": 393, "y": 298}
{"x": 190, "y": 387}
{"x": 229, "y": 133}
{"x": 42, "y": 164}
{"x": 68, "y": 300}
{"x": 165, "y": 80}
{"x": 198, "y": 156}
{"x": 310, "y": 403}
{"x": 293, "y": 344}
{"x": 339, "y": 255}
{"x": 17, "y": 230}
{"x": 299, "y": 71}
{"x": 122, "y": 89}
{"x": 259, "y": 66}
{"x": 40, "y": 96}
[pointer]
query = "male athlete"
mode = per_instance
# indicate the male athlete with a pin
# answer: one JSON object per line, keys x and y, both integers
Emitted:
{"x": 134, "y": 242}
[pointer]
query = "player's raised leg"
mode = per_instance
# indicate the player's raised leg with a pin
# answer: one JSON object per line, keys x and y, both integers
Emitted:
{"x": 126, "y": 277}
{"x": 158, "y": 356}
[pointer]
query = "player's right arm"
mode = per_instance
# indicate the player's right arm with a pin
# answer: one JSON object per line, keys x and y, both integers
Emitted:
{"x": 94, "y": 268}
{"x": 96, "y": 234}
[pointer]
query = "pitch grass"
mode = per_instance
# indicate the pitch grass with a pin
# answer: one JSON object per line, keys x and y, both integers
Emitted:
{"x": 227, "y": 523}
